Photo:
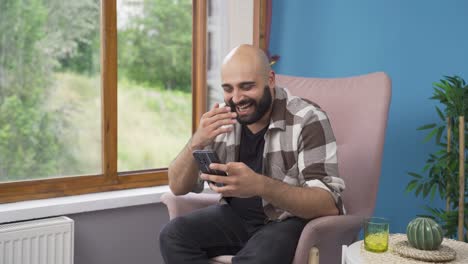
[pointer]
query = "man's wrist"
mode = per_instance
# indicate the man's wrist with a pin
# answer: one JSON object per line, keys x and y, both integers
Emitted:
{"x": 192, "y": 146}
{"x": 264, "y": 185}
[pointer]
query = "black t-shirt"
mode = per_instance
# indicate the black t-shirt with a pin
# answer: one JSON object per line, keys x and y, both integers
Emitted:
{"x": 250, "y": 153}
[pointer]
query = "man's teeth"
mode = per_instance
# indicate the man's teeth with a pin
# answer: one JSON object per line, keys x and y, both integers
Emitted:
{"x": 244, "y": 106}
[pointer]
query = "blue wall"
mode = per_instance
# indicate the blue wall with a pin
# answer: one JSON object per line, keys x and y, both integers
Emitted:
{"x": 415, "y": 42}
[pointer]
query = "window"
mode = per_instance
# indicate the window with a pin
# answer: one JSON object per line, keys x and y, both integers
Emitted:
{"x": 72, "y": 103}
{"x": 69, "y": 98}
{"x": 49, "y": 89}
{"x": 154, "y": 82}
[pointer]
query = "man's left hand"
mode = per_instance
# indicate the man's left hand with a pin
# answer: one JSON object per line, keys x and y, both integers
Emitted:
{"x": 241, "y": 181}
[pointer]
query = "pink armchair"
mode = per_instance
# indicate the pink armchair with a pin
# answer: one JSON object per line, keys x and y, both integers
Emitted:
{"x": 357, "y": 108}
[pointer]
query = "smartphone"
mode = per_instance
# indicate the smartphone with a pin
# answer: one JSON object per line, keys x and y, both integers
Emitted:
{"x": 204, "y": 158}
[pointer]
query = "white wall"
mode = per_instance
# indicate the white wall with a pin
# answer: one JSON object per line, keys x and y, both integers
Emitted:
{"x": 230, "y": 25}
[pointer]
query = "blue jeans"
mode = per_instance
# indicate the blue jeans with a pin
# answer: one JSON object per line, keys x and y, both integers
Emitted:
{"x": 218, "y": 230}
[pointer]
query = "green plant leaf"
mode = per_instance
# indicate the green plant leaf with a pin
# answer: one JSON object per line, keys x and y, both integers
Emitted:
{"x": 425, "y": 215}
{"x": 418, "y": 190}
{"x": 433, "y": 191}
{"x": 441, "y": 192}
{"x": 426, "y": 189}
{"x": 440, "y": 85}
{"x": 441, "y": 115}
{"x": 436, "y": 213}
{"x": 426, "y": 167}
{"x": 440, "y": 130}
{"x": 428, "y": 126}
{"x": 430, "y": 135}
{"x": 415, "y": 175}
{"x": 411, "y": 185}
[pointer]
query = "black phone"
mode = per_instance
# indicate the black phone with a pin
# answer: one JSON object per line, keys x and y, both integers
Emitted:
{"x": 204, "y": 158}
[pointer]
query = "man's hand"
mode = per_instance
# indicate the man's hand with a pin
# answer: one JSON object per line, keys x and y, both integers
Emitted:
{"x": 211, "y": 125}
{"x": 241, "y": 181}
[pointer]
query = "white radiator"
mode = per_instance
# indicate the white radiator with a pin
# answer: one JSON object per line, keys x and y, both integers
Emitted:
{"x": 44, "y": 241}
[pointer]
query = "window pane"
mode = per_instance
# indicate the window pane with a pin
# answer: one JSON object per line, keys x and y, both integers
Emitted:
{"x": 155, "y": 64}
{"x": 49, "y": 89}
{"x": 217, "y": 47}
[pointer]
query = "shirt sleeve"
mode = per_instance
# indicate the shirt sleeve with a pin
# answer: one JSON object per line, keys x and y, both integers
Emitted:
{"x": 317, "y": 156}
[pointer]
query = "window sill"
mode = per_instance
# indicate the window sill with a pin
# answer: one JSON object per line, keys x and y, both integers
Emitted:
{"x": 11, "y": 212}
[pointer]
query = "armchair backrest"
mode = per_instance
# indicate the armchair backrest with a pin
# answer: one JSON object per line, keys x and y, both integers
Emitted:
{"x": 358, "y": 109}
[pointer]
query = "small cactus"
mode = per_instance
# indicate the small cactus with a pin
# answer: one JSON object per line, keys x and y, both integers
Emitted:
{"x": 424, "y": 233}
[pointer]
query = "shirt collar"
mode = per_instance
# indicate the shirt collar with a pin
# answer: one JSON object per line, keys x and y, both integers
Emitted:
{"x": 278, "y": 112}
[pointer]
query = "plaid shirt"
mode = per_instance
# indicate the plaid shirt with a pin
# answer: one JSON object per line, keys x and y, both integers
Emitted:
{"x": 300, "y": 149}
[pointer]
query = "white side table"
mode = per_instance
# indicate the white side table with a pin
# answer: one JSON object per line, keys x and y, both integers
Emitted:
{"x": 351, "y": 254}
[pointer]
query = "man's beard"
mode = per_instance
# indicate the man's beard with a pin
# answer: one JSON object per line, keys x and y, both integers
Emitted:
{"x": 260, "y": 108}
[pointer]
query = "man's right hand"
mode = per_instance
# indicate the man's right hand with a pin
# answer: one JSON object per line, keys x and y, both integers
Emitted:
{"x": 214, "y": 122}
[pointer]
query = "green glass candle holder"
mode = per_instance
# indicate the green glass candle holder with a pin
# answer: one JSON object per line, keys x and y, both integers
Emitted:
{"x": 376, "y": 231}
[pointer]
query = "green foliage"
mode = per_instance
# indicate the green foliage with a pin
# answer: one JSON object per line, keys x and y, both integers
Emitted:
{"x": 160, "y": 118}
{"x": 40, "y": 137}
{"x": 155, "y": 48}
{"x": 34, "y": 35}
{"x": 441, "y": 169}
{"x": 448, "y": 219}
{"x": 453, "y": 94}
{"x": 22, "y": 83}
{"x": 28, "y": 146}
{"x": 21, "y": 58}
{"x": 85, "y": 60}
{"x": 79, "y": 51}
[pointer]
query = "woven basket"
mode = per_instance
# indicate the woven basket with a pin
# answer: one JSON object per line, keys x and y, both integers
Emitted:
{"x": 443, "y": 254}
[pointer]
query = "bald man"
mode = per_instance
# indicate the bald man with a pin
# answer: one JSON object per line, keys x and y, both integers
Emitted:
{"x": 279, "y": 153}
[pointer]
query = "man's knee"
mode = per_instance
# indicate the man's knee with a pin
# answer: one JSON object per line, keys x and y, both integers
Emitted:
{"x": 275, "y": 243}
{"x": 173, "y": 231}
{"x": 267, "y": 253}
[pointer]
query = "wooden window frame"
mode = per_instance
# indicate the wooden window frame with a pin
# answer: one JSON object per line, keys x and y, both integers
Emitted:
{"x": 260, "y": 24}
{"x": 110, "y": 179}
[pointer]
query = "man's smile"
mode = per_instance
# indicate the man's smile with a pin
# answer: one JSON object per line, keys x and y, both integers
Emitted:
{"x": 244, "y": 109}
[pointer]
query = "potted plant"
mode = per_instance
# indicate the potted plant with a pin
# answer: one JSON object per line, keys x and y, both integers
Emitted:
{"x": 445, "y": 170}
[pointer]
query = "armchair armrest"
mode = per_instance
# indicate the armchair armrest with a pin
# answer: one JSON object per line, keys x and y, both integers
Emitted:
{"x": 184, "y": 204}
{"x": 328, "y": 234}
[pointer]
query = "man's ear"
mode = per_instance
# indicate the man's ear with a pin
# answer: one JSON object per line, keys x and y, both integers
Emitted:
{"x": 271, "y": 79}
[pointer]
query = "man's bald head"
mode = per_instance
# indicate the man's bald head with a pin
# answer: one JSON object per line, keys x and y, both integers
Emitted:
{"x": 248, "y": 83}
{"x": 247, "y": 58}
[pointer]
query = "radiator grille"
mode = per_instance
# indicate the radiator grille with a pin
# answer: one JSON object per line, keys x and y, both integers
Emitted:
{"x": 44, "y": 241}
